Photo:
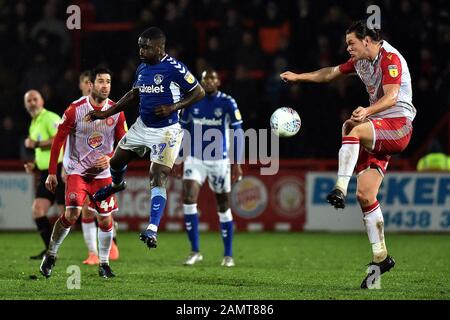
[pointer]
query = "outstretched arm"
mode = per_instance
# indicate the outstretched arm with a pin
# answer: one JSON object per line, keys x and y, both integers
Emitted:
{"x": 131, "y": 98}
{"x": 322, "y": 75}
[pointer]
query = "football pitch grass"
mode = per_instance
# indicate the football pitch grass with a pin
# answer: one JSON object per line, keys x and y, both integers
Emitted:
{"x": 268, "y": 266}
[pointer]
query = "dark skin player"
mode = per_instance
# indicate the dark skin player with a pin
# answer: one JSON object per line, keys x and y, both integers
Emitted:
{"x": 151, "y": 51}
{"x": 191, "y": 188}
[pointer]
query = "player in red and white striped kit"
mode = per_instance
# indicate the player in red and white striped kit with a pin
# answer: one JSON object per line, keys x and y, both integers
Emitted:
{"x": 381, "y": 129}
{"x": 88, "y": 223}
{"x": 89, "y": 145}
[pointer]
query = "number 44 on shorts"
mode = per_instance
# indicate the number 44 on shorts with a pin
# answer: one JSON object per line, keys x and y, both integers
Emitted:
{"x": 105, "y": 205}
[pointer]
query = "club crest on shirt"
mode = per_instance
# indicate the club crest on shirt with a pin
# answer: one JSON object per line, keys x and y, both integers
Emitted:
{"x": 73, "y": 196}
{"x": 95, "y": 140}
{"x": 110, "y": 121}
{"x": 158, "y": 78}
{"x": 393, "y": 70}
{"x": 218, "y": 112}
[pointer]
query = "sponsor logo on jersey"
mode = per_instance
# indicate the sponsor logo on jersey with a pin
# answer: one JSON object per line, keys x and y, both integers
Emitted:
{"x": 189, "y": 78}
{"x": 218, "y": 112}
{"x": 195, "y": 111}
{"x": 393, "y": 70}
{"x": 110, "y": 121}
{"x": 95, "y": 140}
{"x": 389, "y": 56}
{"x": 151, "y": 89}
{"x": 207, "y": 122}
{"x": 158, "y": 78}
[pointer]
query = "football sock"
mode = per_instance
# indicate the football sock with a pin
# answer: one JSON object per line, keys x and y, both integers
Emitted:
{"x": 105, "y": 236}
{"x": 374, "y": 222}
{"x": 117, "y": 175}
{"x": 226, "y": 230}
{"x": 115, "y": 227}
{"x": 157, "y": 205}
{"x": 90, "y": 234}
{"x": 60, "y": 231}
{"x": 45, "y": 229}
{"x": 348, "y": 156}
{"x": 191, "y": 224}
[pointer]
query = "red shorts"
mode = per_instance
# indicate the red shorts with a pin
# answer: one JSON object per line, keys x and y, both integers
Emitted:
{"x": 391, "y": 135}
{"x": 79, "y": 187}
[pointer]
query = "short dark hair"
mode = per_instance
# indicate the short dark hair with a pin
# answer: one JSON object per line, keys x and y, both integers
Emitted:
{"x": 85, "y": 74}
{"x": 154, "y": 33}
{"x": 361, "y": 31}
{"x": 98, "y": 70}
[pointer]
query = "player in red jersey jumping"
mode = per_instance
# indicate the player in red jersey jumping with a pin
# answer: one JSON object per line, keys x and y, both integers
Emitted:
{"x": 88, "y": 148}
{"x": 381, "y": 129}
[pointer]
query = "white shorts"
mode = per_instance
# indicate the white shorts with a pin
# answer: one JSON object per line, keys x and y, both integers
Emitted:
{"x": 163, "y": 143}
{"x": 217, "y": 171}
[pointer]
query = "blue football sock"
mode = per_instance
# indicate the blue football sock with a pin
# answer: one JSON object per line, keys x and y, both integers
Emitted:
{"x": 226, "y": 230}
{"x": 191, "y": 225}
{"x": 117, "y": 175}
{"x": 157, "y": 205}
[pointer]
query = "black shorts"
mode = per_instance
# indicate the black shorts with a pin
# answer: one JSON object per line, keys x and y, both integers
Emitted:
{"x": 42, "y": 192}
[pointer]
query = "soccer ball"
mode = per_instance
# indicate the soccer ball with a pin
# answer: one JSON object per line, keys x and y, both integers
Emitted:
{"x": 285, "y": 122}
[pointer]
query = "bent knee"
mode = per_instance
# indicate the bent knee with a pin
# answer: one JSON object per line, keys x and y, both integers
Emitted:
{"x": 189, "y": 199}
{"x": 40, "y": 208}
{"x": 347, "y": 127}
{"x": 222, "y": 207}
{"x": 158, "y": 178}
{"x": 105, "y": 222}
{"x": 365, "y": 198}
{"x": 72, "y": 214}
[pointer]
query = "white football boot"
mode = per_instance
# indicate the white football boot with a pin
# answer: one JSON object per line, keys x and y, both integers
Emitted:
{"x": 193, "y": 258}
{"x": 228, "y": 261}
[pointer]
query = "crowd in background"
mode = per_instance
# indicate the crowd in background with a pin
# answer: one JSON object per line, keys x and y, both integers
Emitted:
{"x": 249, "y": 42}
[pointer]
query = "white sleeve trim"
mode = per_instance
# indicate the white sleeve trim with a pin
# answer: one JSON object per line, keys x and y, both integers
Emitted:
{"x": 194, "y": 87}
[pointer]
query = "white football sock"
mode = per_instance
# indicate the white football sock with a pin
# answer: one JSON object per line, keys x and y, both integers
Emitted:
{"x": 60, "y": 232}
{"x": 374, "y": 222}
{"x": 190, "y": 208}
{"x": 90, "y": 235}
{"x": 225, "y": 216}
{"x": 104, "y": 244}
{"x": 348, "y": 156}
